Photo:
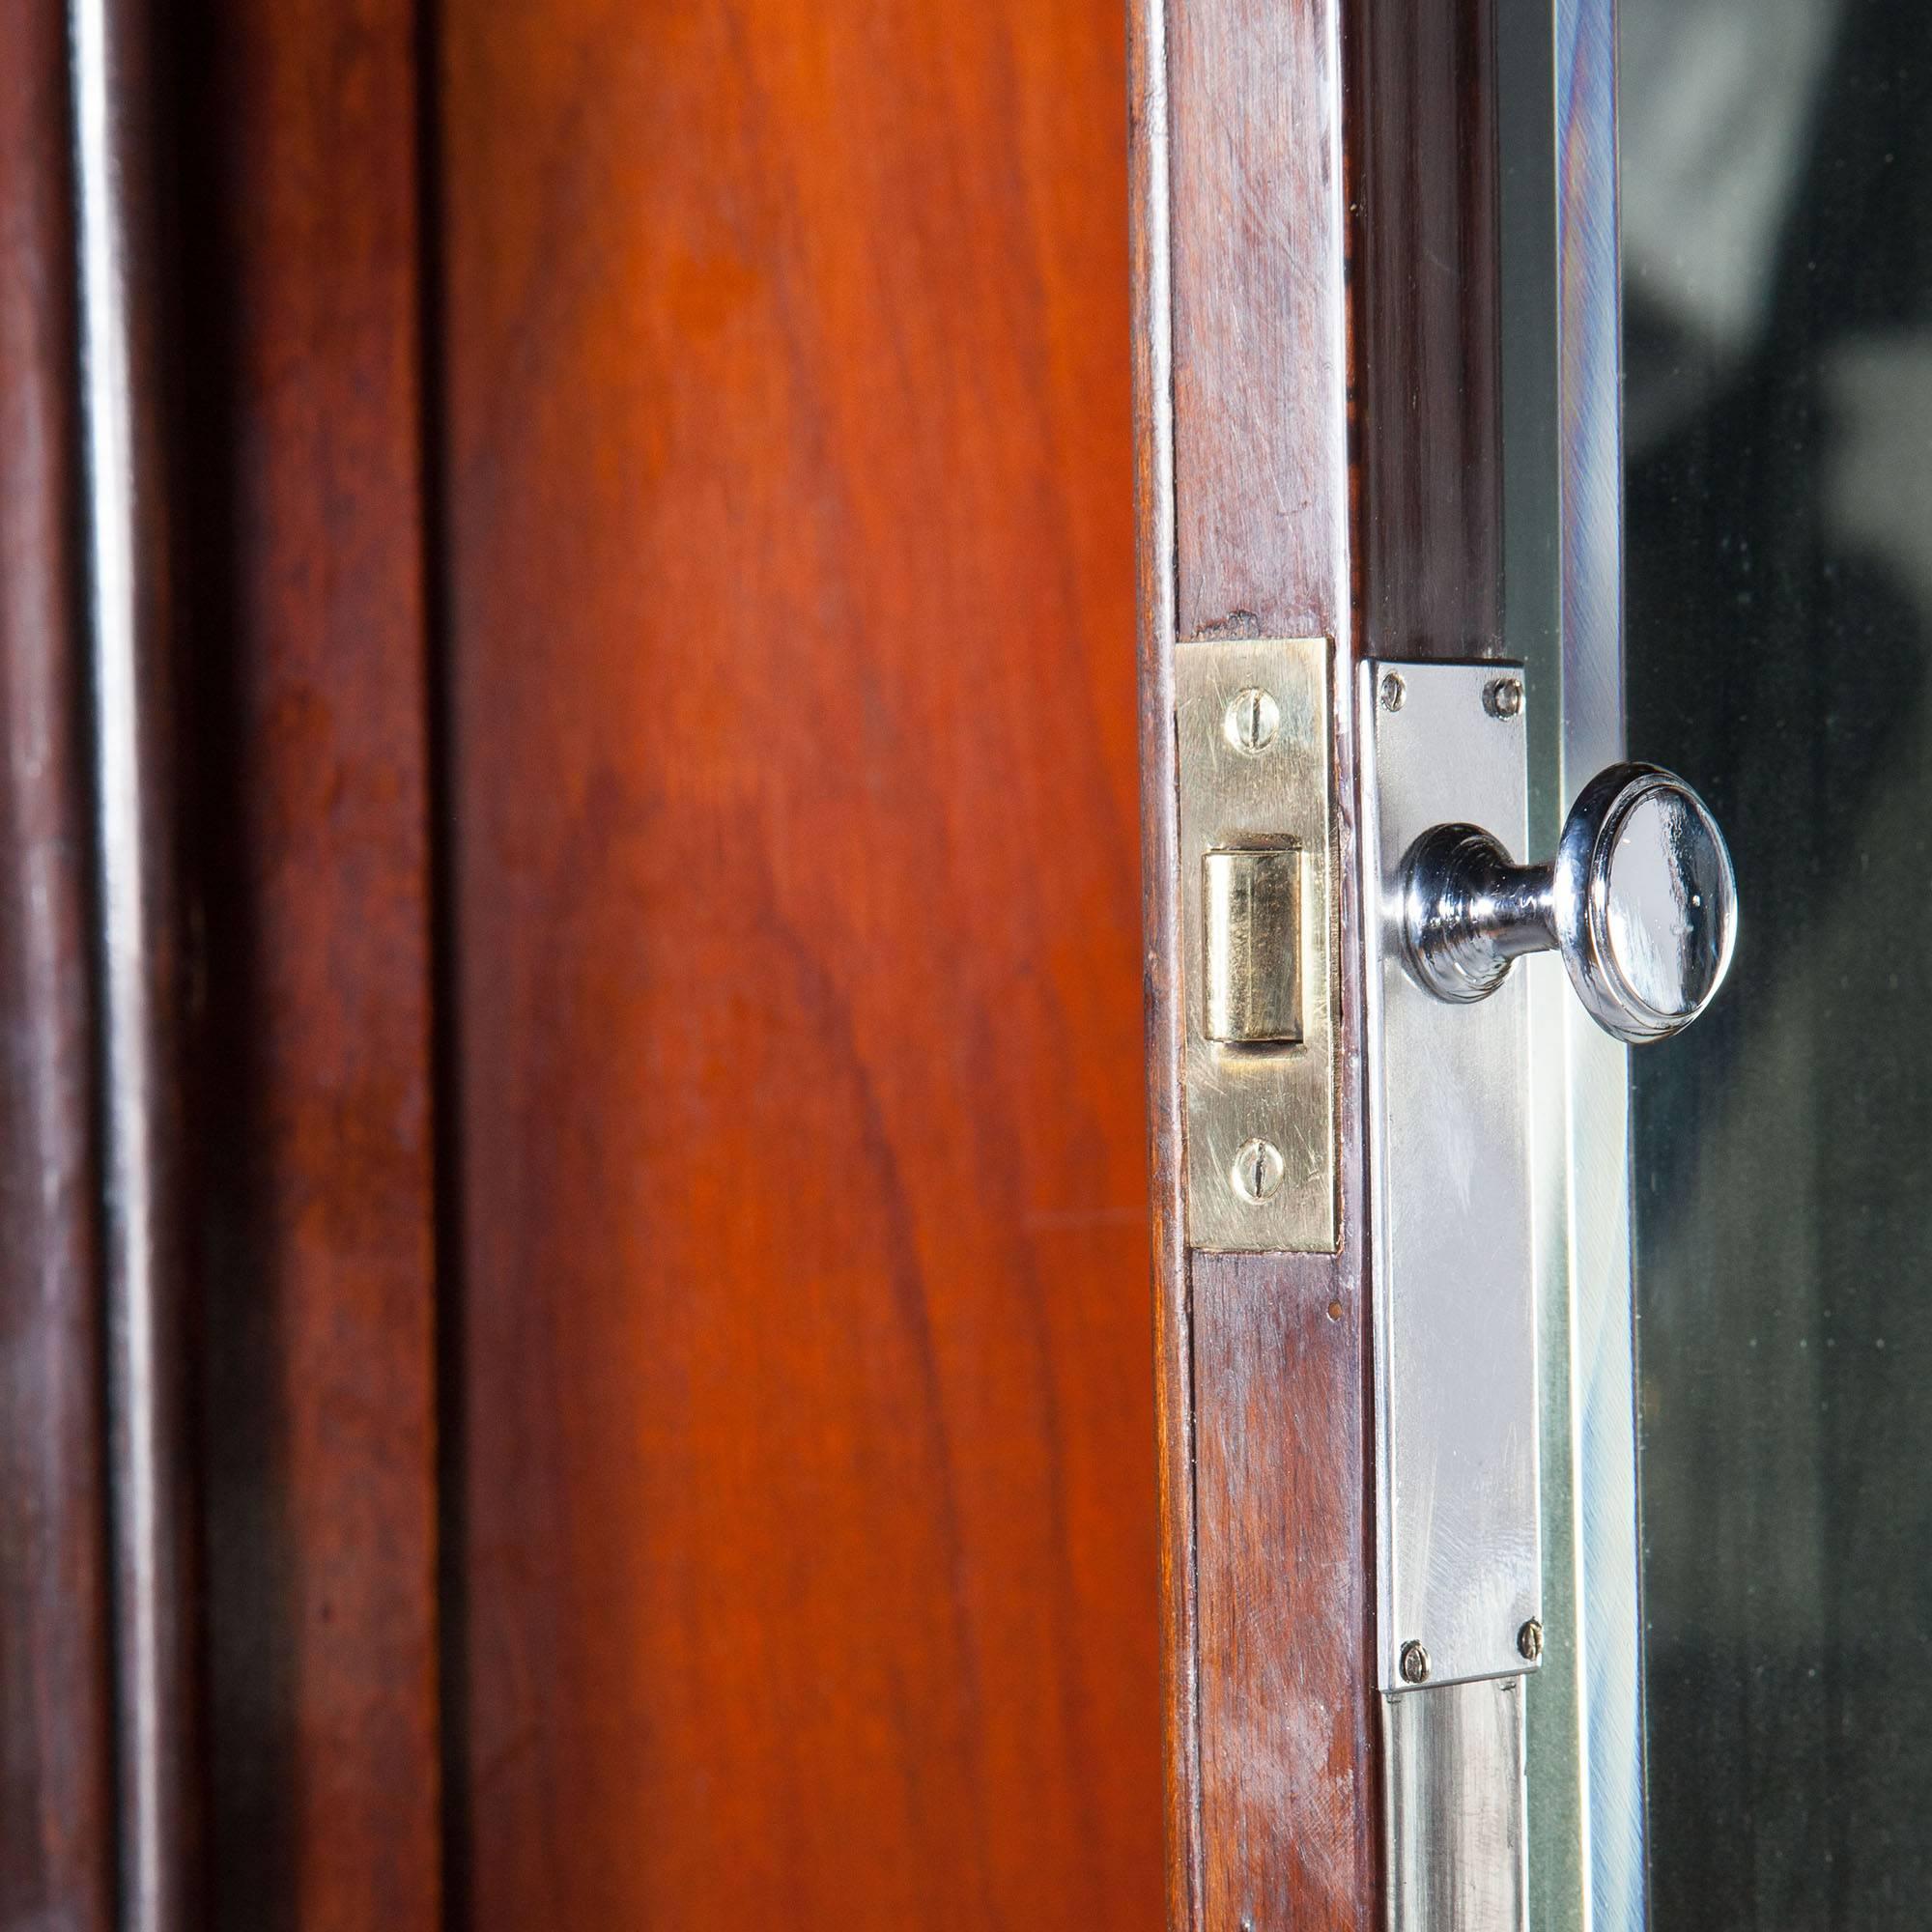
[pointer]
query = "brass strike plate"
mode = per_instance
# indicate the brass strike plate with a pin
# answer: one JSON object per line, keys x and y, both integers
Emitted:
{"x": 1258, "y": 926}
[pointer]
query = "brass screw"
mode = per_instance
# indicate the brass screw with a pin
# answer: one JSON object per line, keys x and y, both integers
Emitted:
{"x": 1415, "y": 1662}
{"x": 1252, "y": 720}
{"x": 1503, "y": 696}
{"x": 1394, "y": 691}
{"x": 1258, "y": 1171}
{"x": 1529, "y": 1641}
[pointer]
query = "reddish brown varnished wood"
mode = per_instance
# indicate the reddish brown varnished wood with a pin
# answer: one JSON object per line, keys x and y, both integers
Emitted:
{"x": 303, "y": 531}
{"x": 1149, "y": 164}
{"x": 1426, "y": 288}
{"x": 1271, "y": 1393}
{"x": 1260, "y": 342}
{"x": 56, "y": 1825}
{"x": 1291, "y": 1823}
{"x": 808, "y": 1524}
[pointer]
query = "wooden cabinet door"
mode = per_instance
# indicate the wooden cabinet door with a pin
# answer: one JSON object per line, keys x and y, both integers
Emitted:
{"x": 598, "y": 543}
{"x": 595, "y": 914}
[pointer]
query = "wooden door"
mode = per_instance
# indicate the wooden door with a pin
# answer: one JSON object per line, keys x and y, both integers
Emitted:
{"x": 594, "y": 920}
{"x": 629, "y": 1398}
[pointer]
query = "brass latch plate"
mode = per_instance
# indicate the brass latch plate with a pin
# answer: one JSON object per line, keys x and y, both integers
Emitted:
{"x": 1256, "y": 891}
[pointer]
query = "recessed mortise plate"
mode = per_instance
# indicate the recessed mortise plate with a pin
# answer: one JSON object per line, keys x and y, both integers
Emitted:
{"x": 1459, "y": 1591}
{"x": 1257, "y": 878}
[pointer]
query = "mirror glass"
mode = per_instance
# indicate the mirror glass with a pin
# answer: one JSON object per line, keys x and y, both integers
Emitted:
{"x": 1777, "y": 317}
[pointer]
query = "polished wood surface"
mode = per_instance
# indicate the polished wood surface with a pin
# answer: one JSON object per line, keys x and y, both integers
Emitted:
{"x": 57, "y": 1848}
{"x": 145, "y": 1122}
{"x": 1268, "y": 1509}
{"x": 807, "y": 1509}
{"x": 303, "y": 529}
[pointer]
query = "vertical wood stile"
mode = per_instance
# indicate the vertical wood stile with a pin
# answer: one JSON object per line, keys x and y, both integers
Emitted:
{"x": 143, "y": 1117}
{"x": 56, "y": 1762}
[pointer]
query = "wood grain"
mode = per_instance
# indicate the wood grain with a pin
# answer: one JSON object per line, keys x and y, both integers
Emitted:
{"x": 808, "y": 1526}
{"x": 304, "y": 530}
{"x": 1259, "y": 319}
{"x": 1290, "y": 1738}
{"x": 1288, "y": 1779}
{"x": 56, "y": 1823}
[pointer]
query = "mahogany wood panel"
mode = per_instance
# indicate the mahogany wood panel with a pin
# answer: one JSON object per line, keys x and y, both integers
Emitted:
{"x": 807, "y": 1511}
{"x": 1289, "y": 1792}
{"x": 56, "y": 1823}
{"x": 304, "y": 530}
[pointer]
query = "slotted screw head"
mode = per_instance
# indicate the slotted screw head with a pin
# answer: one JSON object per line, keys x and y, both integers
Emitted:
{"x": 1529, "y": 1641}
{"x": 1393, "y": 691}
{"x": 1415, "y": 1662}
{"x": 1257, "y": 1171}
{"x": 1253, "y": 718}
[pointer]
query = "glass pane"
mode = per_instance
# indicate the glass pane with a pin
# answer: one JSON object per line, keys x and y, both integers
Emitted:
{"x": 1777, "y": 304}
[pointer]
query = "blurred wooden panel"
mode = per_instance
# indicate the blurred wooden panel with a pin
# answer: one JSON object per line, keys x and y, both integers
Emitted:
{"x": 808, "y": 1510}
{"x": 56, "y": 1816}
{"x": 301, "y": 527}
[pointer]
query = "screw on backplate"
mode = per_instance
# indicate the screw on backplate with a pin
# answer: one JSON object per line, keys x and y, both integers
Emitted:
{"x": 1394, "y": 691}
{"x": 1257, "y": 1171}
{"x": 1529, "y": 1641}
{"x": 1503, "y": 696}
{"x": 1252, "y": 720}
{"x": 1415, "y": 1662}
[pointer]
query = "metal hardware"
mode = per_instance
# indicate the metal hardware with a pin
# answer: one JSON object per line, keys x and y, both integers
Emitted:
{"x": 1253, "y": 718}
{"x": 1257, "y": 1172}
{"x": 1253, "y": 903}
{"x": 1639, "y": 900}
{"x": 1253, "y": 744}
{"x": 1529, "y": 1641}
{"x": 1414, "y": 1664}
{"x": 1457, "y": 1812}
{"x": 1459, "y": 1557}
{"x": 1503, "y": 696}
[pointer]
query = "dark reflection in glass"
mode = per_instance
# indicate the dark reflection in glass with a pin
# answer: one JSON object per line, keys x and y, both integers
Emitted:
{"x": 1778, "y": 171}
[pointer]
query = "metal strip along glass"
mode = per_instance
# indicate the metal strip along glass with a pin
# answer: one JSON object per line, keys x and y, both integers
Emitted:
{"x": 1520, "y": 1800}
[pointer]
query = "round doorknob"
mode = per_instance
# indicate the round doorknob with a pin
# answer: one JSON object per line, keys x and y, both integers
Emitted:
{"x": 1640, "y": 901}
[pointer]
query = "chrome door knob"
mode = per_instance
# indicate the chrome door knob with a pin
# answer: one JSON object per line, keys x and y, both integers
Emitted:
{"x": 1640, "y": 901}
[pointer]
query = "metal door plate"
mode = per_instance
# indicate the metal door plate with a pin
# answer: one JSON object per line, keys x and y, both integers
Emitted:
{"x": 1460, "y": 1556}
{"x": 1255, "y": 769}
